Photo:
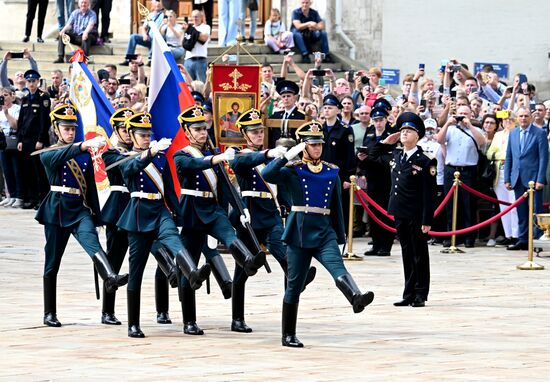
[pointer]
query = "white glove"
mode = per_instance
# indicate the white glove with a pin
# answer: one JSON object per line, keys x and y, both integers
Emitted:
{"x": 294, "y": 151}
{"x": 96, "y": 142}
{"x": 228, "y": 154}
{"x": 276, "y": 152}
{"x": 164, "y": 143}
{"x": 245, "y": 218}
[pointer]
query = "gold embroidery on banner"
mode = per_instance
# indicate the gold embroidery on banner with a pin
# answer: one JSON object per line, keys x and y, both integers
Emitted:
{"x": 235, "y": 75}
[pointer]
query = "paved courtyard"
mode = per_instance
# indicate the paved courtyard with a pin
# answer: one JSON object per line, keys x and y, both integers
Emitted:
{"x": 485, "y": 321}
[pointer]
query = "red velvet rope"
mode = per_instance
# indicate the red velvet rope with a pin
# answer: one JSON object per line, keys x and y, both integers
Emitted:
{"x": 435, "y": 233}
{"x": 444, "y": 202}
{"x": 483, "y": 196}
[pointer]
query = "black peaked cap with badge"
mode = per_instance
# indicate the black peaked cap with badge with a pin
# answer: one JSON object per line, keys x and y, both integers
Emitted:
{"x": 31, "y": 74}
{"x": 139, "y": 121}
{"x": 197, "y": 96}
{"x": 250, "y": 120}
{"x": 119, "y": 117}
{"x": 64, "y": 114}
{"x": 286, "y": 86}
{"x": 412, "y": 121}
{"x": 379, "y": 112}
{"x": 192, "y": 117}
{"x": 382, "y": 103}
{"x": 310, "y": 132}
{"x": 332, "y": 100}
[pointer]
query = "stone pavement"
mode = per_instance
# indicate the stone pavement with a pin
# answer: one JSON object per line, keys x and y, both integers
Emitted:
{"x": 485, "y": 321}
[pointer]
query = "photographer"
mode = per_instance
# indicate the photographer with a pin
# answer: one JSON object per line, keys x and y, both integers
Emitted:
{"x": 19, "y": 81}
{"x": 10, "y": 157}
{"x": 462, "y": 140}
{"x": 196, "y": 61}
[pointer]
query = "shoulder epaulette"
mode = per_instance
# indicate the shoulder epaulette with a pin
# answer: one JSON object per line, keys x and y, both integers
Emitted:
{"x": 430, "y": 157}
{"x": 331, "y": 165}
{"x": 295, "y": 163}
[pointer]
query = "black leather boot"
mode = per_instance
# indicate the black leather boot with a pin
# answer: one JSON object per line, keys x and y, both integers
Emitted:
{"x": 108, "y": 312}
{"x": 50, "y": 290}
{"x": 134, "y": 301}
{"x": 110, "y": 278}
{"x": 290, "y": 315}
{"x": 187, "y": 266}
{"x": 245, "y": 258}
{"x": 221, "y": 274}
{"x": 188, "y": 307}
{"x": 347, "y": 286}
{"x": 167, "y": 265}
{"x": 162, "y": 298}
{"x": 237, "y": 306}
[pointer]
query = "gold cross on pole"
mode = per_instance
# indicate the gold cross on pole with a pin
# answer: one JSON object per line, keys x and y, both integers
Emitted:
{"x": 235, "y": 74}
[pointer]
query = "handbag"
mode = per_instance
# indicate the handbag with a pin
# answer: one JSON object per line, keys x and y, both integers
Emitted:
{"x": 190, "y": 38}
{"x": 2, "y": 140}
{"x": 487, "y": 171}
{"x": 11, "y": 142}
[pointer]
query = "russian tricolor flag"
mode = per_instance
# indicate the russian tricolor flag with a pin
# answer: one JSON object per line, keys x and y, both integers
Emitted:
{"x": 168, "y": 97}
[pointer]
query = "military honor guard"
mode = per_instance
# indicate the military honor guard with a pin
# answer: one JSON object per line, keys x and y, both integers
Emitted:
{"x": 288, "y": 91}
{"x": 202, "y": 196}
{"x": 71, "y": 207}
{"x": 412, "y": 196}
{"x": 260, "y": 198}
{"x": 315, "y": 225}
{"x": 149, "y": 214}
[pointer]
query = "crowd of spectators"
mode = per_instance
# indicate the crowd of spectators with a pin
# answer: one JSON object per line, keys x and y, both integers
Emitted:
{"x": 469, "y": 116}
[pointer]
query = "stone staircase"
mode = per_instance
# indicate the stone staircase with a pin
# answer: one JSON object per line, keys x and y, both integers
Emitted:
{"x": 114, "y": 53}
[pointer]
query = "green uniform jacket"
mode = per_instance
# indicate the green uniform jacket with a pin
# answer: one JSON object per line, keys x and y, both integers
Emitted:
{"x": 322, "y": 190}
{"x": 65, "y": 209}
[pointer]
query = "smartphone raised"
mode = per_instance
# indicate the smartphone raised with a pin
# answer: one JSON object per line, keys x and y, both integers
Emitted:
{"x": 2, "y": 100}
{"x": 522, "y": 78}
{"x": 351, "y": 74}
{"x": 17, "y": 54}
{"x": 318, "y": 72}
{"x": 503, "y": 114}
{"x": 130, "y": 57}
{"x": 421, "y": 66}
{"x": 382, "y": 82}
{"x": 423, "y": 103}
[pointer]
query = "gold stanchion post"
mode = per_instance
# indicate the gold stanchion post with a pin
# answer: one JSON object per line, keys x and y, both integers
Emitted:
{"x": 530, "y": 264}
{"x": 349, "y": 255}
{"x": 453, "y": 248}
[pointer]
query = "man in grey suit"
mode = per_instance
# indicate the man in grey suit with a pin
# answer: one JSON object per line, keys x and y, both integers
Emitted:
{"x": 526, "y": 160}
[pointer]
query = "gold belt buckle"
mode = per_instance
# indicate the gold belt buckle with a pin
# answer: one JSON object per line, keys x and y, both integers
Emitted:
{"x": 205, "y": 194}
{"x": 151, "y": 196}
{"x": 73, "y": 191}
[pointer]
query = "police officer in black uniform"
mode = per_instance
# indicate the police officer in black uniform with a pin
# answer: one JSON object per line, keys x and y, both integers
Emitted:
{"x": 288, "y": 90}
{"x": 33, "y": 128}
{"x": 71, "y": 207}
{"x": 378, "y": 180}
{"x": 412, "y": 196}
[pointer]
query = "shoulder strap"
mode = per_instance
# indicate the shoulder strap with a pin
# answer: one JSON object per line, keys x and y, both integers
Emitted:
{"x": 80, "y": 179}
{"x": 473, "y": 139}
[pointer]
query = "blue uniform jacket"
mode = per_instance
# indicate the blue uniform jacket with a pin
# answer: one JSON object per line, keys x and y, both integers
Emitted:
{"x": 144, "y": 215}
{"x": 65, "y": 209}
{"x": 117, "y": 201}
{"x": 306, "y": 188}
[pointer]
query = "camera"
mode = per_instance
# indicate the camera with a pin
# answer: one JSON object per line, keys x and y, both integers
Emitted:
{"x": 456, "y": 67}
{"x": 351, "y": 74}
{"x": 362, "y": 149}
{"x": 1, "y": 100}
{"x": 459, "y": 118}
{"x": 365, "y": 80}
{"x": 65, "y": 82}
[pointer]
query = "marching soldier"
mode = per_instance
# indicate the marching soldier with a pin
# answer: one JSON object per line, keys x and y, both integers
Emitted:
{"x": 148, "y": 216}
{"x": 315, "y": 225}
{"x": 117, "y": 240}
{"x": 288, "y": 91}
{"x": 71, "y": 207}
{"x": 201, "y": 214}
{"x": 413, "y": 190}
{"x": 33, "y": 128}
{"x": 260, "y": 198}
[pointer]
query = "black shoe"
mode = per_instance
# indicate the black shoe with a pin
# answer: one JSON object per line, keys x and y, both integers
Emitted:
{"x": 125, "y": 63}
{"x": 517, "y": 247}
{"x": 192, "y": 328}
{"x": 163, "y": 318}
{"x": 328, "y": 58}
{"x": 384, "y": 253}
{"x": 240, "y": 326}
{"x": 26, "y": 39}
{"x": 505, "y": 241}
{"x": 418, "y": 302}
{"x": 59, "y": 60}
{"x": 446, "y": 243}
{"x": 469, "y": 243}
{"x": 135, "y": 332}
{"x": 28, "y": 205}
{"x": 39, "y": 40}
{"x": 371, "y": 252}
{"x": 109, "y": 319}
{"x": 106, "y": 40}
{"x": 50, "y": 319}
{"x": 404, "y": 302}
{"x": 292, "y": 341}
{"x": 305, "y": 60}
{"x": 149, "y": 63}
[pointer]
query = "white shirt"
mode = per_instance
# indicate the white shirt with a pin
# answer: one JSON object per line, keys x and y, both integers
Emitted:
{"x": 200, "y": 50}
{"x": 4, "y": 124}
{"x": 171, "y": 39}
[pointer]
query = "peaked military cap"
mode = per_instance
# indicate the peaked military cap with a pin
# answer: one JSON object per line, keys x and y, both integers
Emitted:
{"x": 378, "y": 112}
{"x": 120, "y": 116}
{"x": 286, "y": 86}
{"x": 192, "y": 117}
{"x": 249, "y": 120}
{"x": 330, "y": 99}
{"x": 139, "y": 121}
{"x": 64, "y": 114}
{"x": 310, "y": 132}
{"x": 31, "y": 74}
{"x": 412, "y": 121}
{"x": 197, "y": 96}
{"x": 383, "y": 103}
{"x": 207, "y": 106}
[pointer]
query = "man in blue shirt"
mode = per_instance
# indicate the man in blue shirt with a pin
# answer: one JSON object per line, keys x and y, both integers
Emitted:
{"x": 81, "y": 28}
{"x": 307, "y": 28}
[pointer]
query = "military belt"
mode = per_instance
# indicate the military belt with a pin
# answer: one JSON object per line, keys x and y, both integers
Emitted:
{"x": 146, "y": 195}
{"x": 313, "y": 210}
{"x": 200, "y": 194}
{"x": 65, "y": 190}
{"x": 123, "y": 189}
{"x": 258, "y": 194}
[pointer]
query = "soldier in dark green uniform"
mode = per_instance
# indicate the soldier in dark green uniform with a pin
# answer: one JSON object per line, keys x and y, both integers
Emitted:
{"x": 315, "y": 225}
{"x": 412, "y": 196}
{"x": 71, "y": 207}
{"x": 201, "y": 214}
{"x": 117, "y": 240}
{"x": 33, "y": 128}
{"x": 260, "y": 198}
{"x": 148, "y": 216}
